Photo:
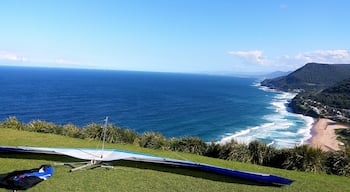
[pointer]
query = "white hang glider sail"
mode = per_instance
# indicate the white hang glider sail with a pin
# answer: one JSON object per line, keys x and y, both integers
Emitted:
{"x": 100, "y": 158}
{"x": 108, "y": 155}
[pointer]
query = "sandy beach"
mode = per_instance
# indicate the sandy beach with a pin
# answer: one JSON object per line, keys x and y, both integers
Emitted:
{"x": 323, "y": 135}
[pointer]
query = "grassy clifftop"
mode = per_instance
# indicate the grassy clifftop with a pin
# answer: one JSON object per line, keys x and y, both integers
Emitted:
{"x": 128, "y": 176}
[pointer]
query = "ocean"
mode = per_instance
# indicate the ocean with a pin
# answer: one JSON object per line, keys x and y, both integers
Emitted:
{"x": 213, "y": 108}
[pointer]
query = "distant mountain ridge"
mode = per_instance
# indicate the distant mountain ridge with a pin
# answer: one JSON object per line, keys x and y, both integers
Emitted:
{"x": 310, "y": 77}
{"x": 277, "y": 74}
{"x": 324, "y": 90}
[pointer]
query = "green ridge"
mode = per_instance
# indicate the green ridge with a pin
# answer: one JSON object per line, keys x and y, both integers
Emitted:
{"x": 310, "y": 77}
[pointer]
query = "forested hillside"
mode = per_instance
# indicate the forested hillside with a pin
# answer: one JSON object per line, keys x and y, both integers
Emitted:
{"x": 323, "y": 90}
{"x": 332, "y": 102}
{"x": 336, "y": 96}
{"x": 310, "y": 77}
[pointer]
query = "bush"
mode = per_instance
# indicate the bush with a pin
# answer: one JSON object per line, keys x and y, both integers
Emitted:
{"x": 71, "y": 130}
{"x": 188, "y": 144}
{"x": 213, "y": 150}
{"x": 260, "y": 153}
{"x": 93, "y": 131}
{"x": 235, "y": 152}
{"x": 338, "y": 162}
{"x": 44, "y": 127}
{"x": 305, "y": 158}
{"x": 113, "y": 134}
{"x": 279, "y": 158}
{"x": 12, "y": 123}
{"x": 152, "y": 140}
{"x": 124, "y": 135}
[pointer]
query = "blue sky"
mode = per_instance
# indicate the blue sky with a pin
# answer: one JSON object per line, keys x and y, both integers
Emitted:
{"x": 195, "y": 36}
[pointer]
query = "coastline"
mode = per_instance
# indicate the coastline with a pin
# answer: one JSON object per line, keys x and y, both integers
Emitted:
{"x": 280, "y": 128}
{"x": 323, "y": 135}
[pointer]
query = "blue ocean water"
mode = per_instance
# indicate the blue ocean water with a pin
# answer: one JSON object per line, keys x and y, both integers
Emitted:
{"x": 214, "y": 108}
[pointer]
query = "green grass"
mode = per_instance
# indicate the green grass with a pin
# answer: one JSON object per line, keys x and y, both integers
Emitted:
{"x": 132, "y": 176}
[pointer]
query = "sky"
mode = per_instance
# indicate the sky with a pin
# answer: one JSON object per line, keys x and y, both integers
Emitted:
{"x": 190, "y": 36}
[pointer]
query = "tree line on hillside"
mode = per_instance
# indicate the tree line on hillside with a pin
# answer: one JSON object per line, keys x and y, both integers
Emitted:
{"x": 310, "y": 77}
{"x": 323, "y": 90}
{"x": 302, "y": 158}
{"x": 337, "y": 96}
{"x": 332, "y": 103}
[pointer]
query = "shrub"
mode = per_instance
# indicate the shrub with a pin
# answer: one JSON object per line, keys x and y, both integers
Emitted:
{"x": 113, "y": 134}
{"x": 44, "y": 127}
{"x": 236, "y": 152}
{"x": 71, "y": 130}
{"x": 338, "y": 162}
{"x": 188, "y": 144}
{"x": 152, "y": 140}
{"x": 124, "y": 135}
{"x": 93, "y": 131}
{"x": 213, "y": 150}
{"x": 305, "y": 158}
{"x": 260, "y": 153}
{"x": 278, "y": 158}
{"x": 12, "y": 123}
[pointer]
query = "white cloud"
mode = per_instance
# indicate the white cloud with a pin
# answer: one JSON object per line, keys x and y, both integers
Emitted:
{"x": 325, "y": 56}
{"x": 10, "y": 56}
{"x": 292, "y": 62}
{"x": 254, "y": 56}
{"x": 4, "y": 55}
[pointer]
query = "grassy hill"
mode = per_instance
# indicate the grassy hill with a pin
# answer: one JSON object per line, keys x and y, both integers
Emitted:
{"x": 335, "y": 96}
{"x": 131, "y": 176}
{"x": 312, "y": 76}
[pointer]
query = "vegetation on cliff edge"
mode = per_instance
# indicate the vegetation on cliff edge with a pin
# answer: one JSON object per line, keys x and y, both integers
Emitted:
{"x": 302, "y": 158}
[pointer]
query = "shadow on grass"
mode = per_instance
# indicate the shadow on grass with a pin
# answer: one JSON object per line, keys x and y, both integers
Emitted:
{"x": 187, "y": 171}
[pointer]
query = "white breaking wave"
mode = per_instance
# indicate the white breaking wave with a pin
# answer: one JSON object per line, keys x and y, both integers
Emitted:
{"x": 306, "y": 131}
{"x": 244, "y": 136}
{"x": 282, "y": 129}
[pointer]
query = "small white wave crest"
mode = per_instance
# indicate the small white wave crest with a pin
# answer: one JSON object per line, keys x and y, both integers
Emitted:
{"x": 281, "y": 128}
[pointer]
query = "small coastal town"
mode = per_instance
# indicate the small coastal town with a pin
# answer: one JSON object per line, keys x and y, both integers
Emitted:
{"x": 325, "y": 111}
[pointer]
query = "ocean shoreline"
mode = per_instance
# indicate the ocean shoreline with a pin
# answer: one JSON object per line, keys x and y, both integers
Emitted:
{"x": 324, "y": 136}
{"x": 285, "y": 126}
{"x": 322, "y": 131}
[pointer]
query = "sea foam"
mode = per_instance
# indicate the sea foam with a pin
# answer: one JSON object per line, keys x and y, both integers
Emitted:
{"x": 280, "y": 128}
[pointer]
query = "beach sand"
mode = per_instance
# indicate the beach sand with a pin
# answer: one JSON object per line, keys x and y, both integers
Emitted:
{"x": 323, "y": 135}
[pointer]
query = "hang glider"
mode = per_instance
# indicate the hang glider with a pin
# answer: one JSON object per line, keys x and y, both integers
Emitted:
{"x": 107, "y": 155}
